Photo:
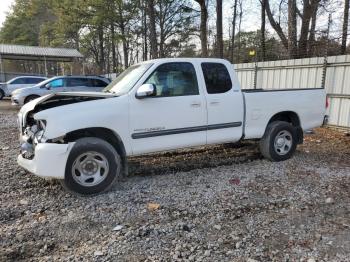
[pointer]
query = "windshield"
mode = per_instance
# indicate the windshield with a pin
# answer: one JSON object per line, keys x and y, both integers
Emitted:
{"x": 126, "y": 80}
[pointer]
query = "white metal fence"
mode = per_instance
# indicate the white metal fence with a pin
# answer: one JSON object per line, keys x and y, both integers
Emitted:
{"x": 305, "y": 73}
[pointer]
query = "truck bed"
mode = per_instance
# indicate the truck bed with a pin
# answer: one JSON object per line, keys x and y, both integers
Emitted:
{"x": 262, "y": 104}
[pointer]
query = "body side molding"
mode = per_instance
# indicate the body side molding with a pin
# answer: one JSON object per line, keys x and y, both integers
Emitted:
{"x": 184, "y": 130}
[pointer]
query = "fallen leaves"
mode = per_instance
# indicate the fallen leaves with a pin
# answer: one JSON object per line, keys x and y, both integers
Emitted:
{"x": 235, "y": 181}
{"x": 153, "y": 206}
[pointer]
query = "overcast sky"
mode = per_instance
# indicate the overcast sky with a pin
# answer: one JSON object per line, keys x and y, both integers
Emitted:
{"x": 4, "y": 7}
{"x": 250, "y": 21}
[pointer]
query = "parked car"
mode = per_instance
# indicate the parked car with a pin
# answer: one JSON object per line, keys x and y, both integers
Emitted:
{"x": 84, "y": 139}
{"x": 59, "y": 84}
{"x": 19, "y": 82}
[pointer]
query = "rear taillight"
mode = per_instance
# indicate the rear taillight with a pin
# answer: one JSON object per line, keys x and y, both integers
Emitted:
{"x": 327, "y": 102}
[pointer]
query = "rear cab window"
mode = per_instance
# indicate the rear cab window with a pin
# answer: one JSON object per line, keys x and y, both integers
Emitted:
{"x": 217, "y": 78}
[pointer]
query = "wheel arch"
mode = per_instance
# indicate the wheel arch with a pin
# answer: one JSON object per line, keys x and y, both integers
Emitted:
{"x": 2, "y": 93}
{"x": 105, "y": 134}
{"x": 292, "y": 118}
{"x": 25, "y": 100}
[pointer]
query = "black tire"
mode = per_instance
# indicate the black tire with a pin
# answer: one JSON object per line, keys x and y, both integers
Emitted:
{"x": 30, "y": 98}
{"x": 274, "y": 151}
{"x": 104, "y": 149}
{"x": 2, "y": 94}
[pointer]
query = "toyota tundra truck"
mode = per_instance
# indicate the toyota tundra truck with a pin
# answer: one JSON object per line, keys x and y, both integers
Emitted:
{"x": 84, "y": 138}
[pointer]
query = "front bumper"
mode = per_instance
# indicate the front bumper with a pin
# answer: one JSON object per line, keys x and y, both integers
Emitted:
{"x": 49, "y": 160}
{"x": 16, "y": 101}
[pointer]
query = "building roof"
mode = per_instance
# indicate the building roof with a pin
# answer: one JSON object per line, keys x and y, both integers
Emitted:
{"x": 36, "y": 52}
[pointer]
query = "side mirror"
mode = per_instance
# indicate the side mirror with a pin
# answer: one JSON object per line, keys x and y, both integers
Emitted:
{"x": 146, "y": 90}
{"x": 48, "y": 86}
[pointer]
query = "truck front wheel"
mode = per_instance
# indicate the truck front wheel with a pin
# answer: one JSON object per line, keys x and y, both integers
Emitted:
{"x": 279, "y": 141}
{"x": 93, "y": 166}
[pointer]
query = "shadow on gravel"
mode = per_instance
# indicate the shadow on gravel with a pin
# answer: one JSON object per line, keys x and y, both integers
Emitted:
{"x": 189, "y": 159}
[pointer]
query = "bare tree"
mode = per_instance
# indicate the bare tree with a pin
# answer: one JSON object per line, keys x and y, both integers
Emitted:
{"x": 233, "y": 29}
{"x": 219, "y": 40}
{"x": 114, "y": 59}
{"x": 144, "y": 31}
{"x": 100, "y": 34}
{"x": 240, "y": 15}
{"x": 203, "y": 27}
{"x": 309, "y": 8}
{"x": 152, "y": 28}
{"x": 276, "y": 25}
{"x": 292, "y": 28}
{"x": 345, "y": 27}
{"x": 290, "y": 41}
{"x": 174, "y": 18}
{"x": 262, "y": 29}
{"x": 311, "y": 43}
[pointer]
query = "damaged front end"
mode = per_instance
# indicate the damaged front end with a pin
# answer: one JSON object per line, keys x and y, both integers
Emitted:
{"x": 32, "y": 131}
{"x": 32, "y": 135}
{"x": 41, "y": 154}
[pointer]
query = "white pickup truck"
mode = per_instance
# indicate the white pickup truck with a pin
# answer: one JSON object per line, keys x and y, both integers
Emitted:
{"x": 84, "y": 139}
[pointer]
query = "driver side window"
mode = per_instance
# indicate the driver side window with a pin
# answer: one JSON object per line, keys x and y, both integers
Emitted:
{"x": 174, "y": 79}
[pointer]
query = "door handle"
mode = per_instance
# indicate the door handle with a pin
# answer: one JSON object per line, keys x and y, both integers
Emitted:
{"x": 195, "y": 104}
{"x": 214, "y": 103}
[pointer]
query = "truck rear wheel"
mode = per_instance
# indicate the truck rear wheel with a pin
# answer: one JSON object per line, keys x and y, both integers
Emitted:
{"x": 279, "y": 141}
{"x": 93, "y": 166}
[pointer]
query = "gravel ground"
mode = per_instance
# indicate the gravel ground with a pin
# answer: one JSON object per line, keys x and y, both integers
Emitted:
{"x": 219, "y": 203}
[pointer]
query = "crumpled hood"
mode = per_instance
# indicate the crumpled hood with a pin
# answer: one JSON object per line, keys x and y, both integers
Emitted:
{"x": 59, "y": 99}
{"x": 64, "y": 96}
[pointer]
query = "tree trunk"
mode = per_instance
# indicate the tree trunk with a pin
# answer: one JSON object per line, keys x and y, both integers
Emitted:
{"x": 345, "y": 27}
{"x": 276, "y": 26}
{"x": 262, "y": 29}
{"x": 161, "y": 19}
{"x": 233, "y": 29}
{"x": 161, "y": 45}
{"x": 114, "y": 61}
{"x": 125, "y": 46}
{"x": 219, "y": 40}
{"x": 311, "y": 44}
{"x": 101, "y": 47}
{"x": 292, "y": 29}
{"x": 308, "y": 11}
{"x": 203, "y": 27}
{"x": 144, "y": 26}
{"x": 239, "y": 30}
{"x": 152, "y": 27}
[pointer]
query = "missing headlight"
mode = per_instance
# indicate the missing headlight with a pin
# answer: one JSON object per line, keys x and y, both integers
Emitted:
{"x": 41, "y": 124}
